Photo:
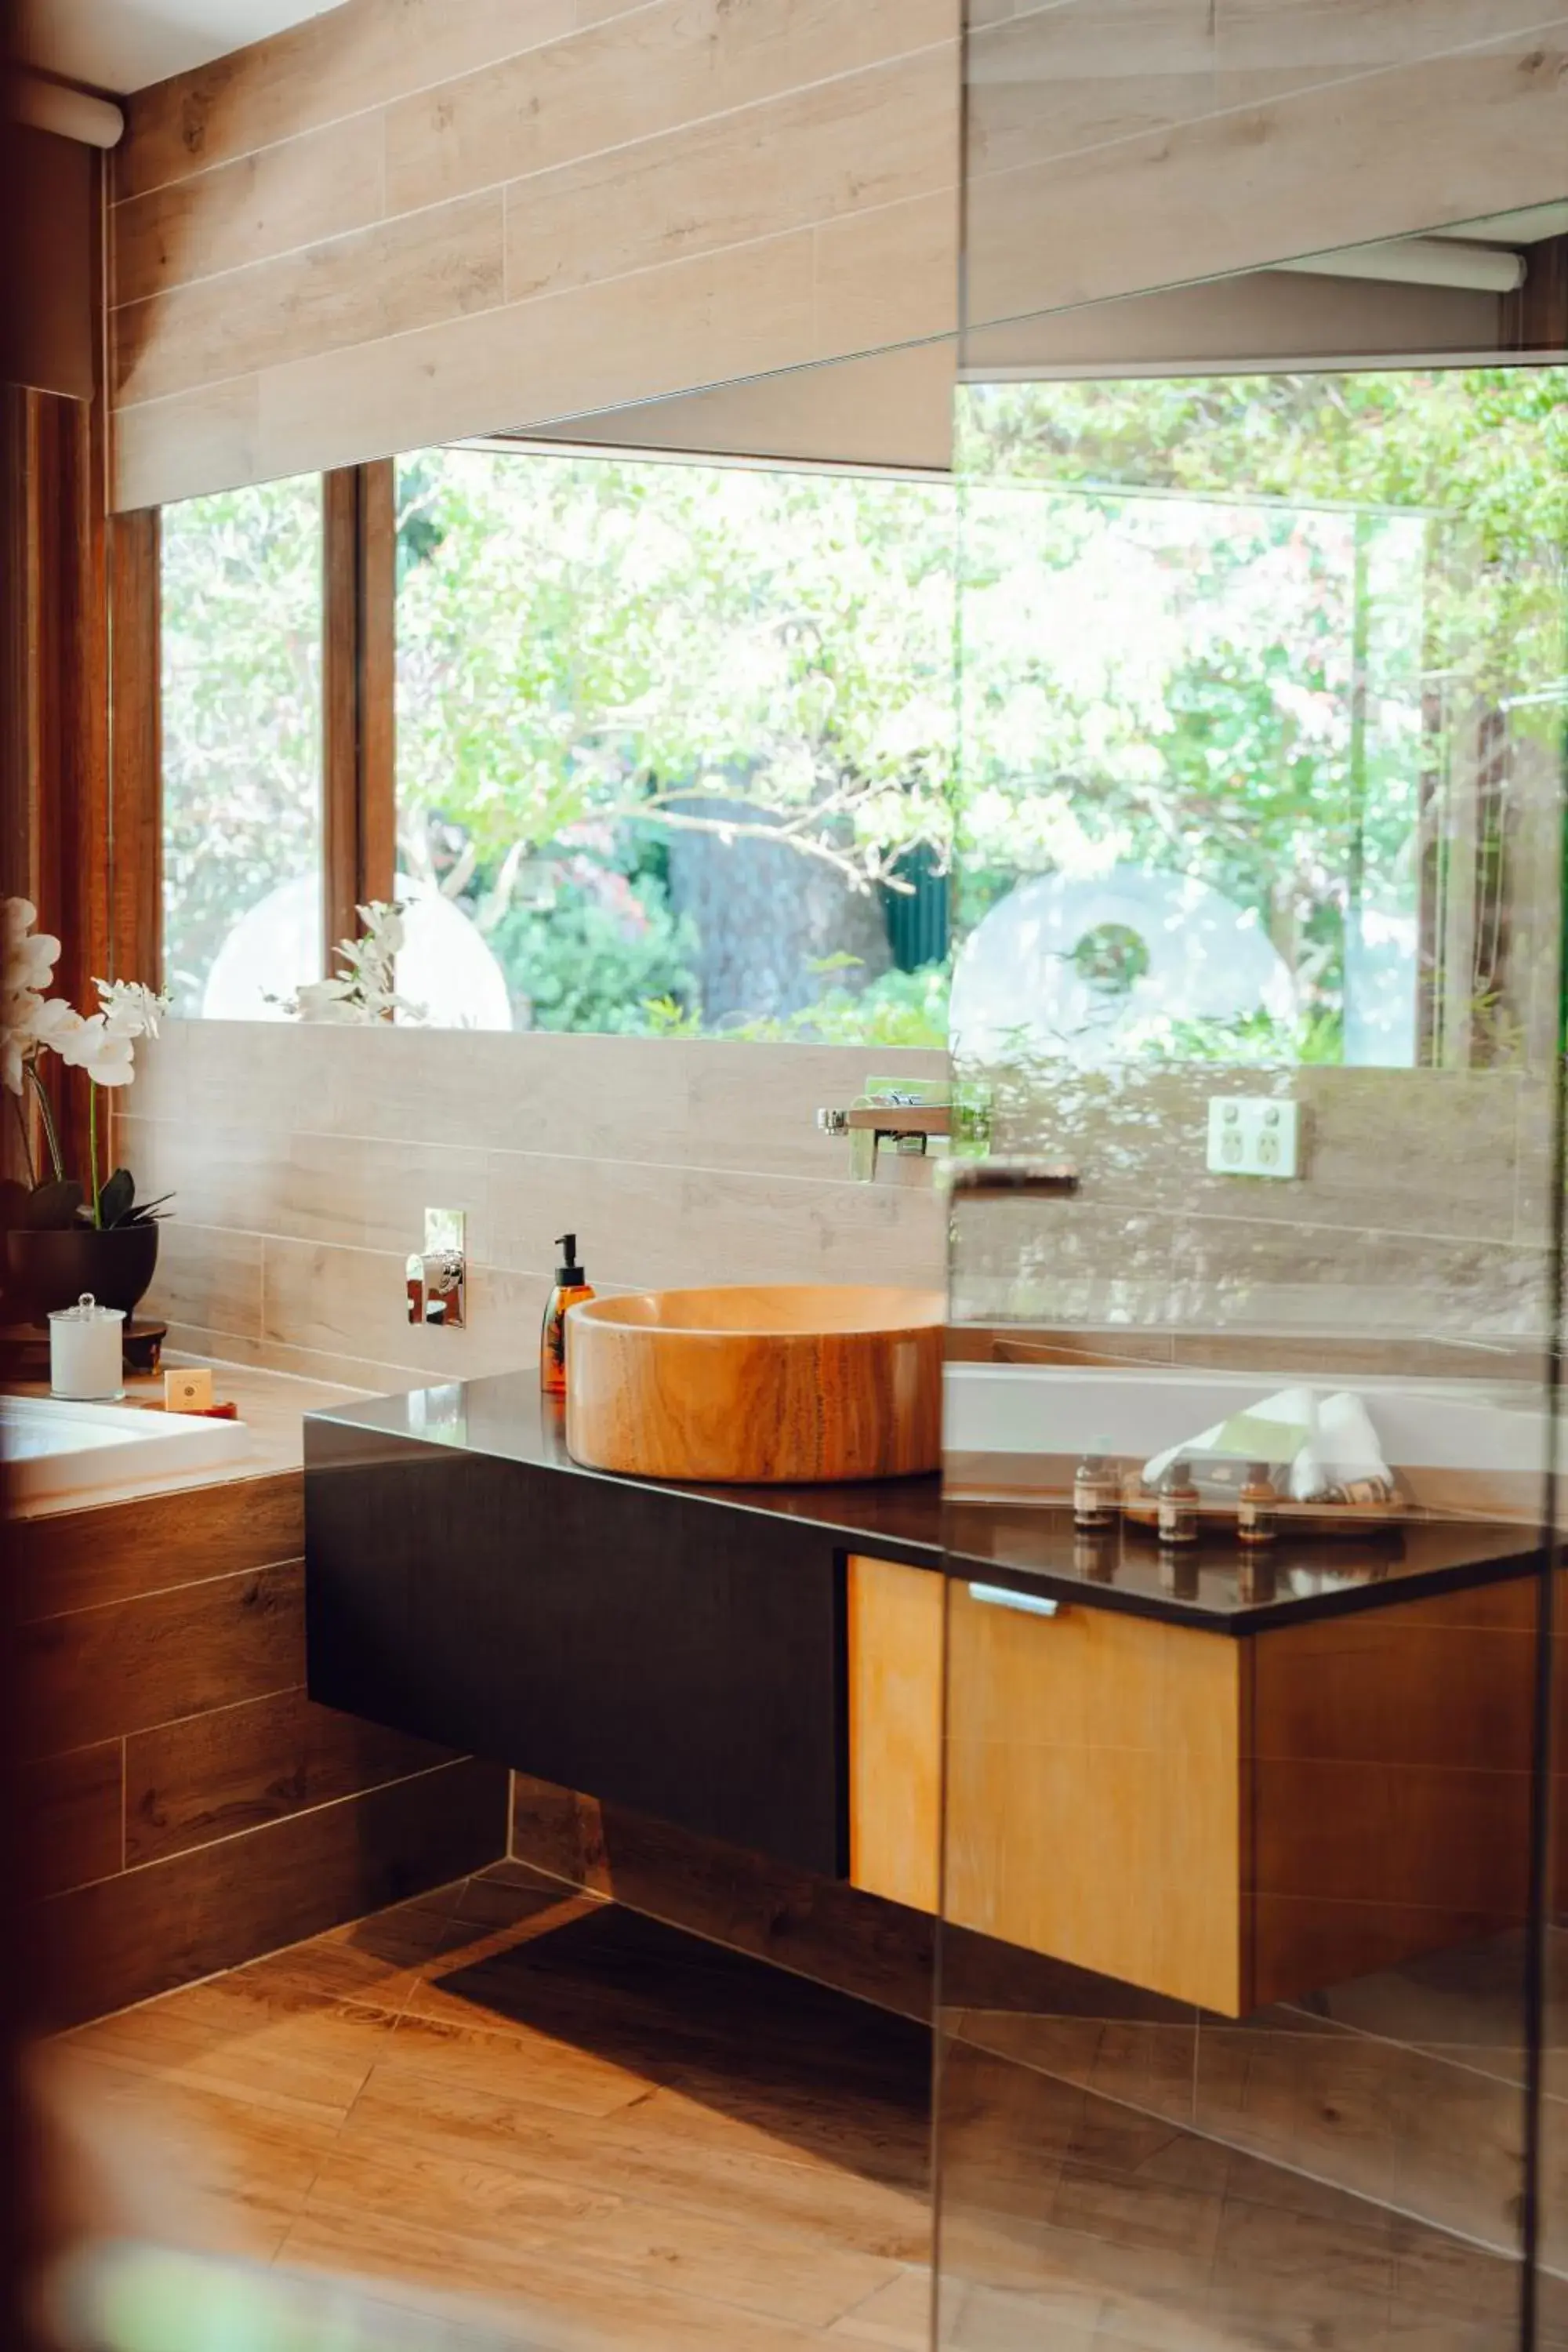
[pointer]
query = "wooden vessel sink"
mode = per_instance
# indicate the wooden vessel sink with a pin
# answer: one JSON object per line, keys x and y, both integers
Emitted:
{"x": 775, "y": 1386}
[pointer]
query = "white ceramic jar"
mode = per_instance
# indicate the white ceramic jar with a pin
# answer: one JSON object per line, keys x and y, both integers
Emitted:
{"x": 86, "y": 1359}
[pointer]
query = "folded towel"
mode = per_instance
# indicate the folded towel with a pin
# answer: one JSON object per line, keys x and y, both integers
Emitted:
{"x": 1318, "y": 1450}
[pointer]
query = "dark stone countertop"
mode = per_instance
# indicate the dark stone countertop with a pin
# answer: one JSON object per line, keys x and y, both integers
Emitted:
{"x": 1026, "y": 1547}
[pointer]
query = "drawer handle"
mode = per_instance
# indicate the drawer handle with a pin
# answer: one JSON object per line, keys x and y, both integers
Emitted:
{"x": 1001, "y": 1596}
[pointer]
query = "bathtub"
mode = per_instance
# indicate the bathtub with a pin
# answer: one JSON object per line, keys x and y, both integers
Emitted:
{"x": 56, "y": 1450}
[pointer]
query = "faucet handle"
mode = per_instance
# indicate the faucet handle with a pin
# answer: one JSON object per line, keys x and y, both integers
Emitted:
{"x": 436, "y": 1277}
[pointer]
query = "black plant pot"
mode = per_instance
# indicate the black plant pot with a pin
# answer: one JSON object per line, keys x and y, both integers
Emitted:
{"x": 52, "y": 1268}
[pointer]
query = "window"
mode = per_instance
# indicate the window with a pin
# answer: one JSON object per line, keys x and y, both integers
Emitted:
{"x": 241, "y": 636}
{"x": 1209, "y": 719}
{"x": 676, "y": 740}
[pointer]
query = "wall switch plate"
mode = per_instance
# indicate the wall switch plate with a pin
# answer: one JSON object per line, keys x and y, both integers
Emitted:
{"x": 1254, "y": 1135}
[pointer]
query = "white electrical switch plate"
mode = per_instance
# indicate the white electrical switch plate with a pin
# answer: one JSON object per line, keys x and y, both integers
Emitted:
{"x": 1254, "y": 1135}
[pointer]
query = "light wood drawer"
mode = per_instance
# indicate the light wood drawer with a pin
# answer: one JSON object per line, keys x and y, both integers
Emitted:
{"x": 1227, "y": 1821}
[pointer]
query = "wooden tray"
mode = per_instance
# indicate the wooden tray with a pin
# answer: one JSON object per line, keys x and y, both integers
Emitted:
{"x": 1143, "y": 1511}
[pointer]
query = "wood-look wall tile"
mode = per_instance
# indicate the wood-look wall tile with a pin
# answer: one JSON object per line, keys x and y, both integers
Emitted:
{"x": 125, "y": 1939}
{"x": 317, "y": 72}
{"x": 876, "y": 409}
{"x": 1084, "y": 74}
{"x": 72, "y": 1810}
{"x": 305, "y": 1363}
{"x": 101, "y": 1672}
{"x": 348, "y": 1302}
{"x": 1137, "y": 1137}
{"x": 208, "y": 1275}
{"x": 67, "y": 1561}
{"x": 702, "y": 1102}
{"x": 312, "y": 1187}
{"x": 867, "y": 139}
{"x": 1385, "y": 154}
{"x": 1536, "y": 1175}
{"x": 652, "y": 70}
{"x": 213, "y": 1775}
{"x": 208, "y": 439}
{"x": 1265, "y": 49}
{"x": 292, "y": 194}
{"x": 1060, "y": 1263}
{"x": 1323, "y": 1279}
{"x": 887, "y": 277}
{"x": 741, "y": 312}
{"x": 644, "y": 1226}
{"x": 418, "y": 271}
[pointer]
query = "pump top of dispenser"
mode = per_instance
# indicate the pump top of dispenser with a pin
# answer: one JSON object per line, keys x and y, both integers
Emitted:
{"x": 569, "y": 1275}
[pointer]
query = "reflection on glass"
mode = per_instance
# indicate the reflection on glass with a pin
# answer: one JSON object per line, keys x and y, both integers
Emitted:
{"x": 241, "y": 656}
{"x": 1261, "y": 688}
{"x": 677, "y": 739}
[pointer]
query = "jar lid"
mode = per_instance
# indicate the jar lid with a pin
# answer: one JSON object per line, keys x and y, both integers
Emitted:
{"x": 86, "y": 1310}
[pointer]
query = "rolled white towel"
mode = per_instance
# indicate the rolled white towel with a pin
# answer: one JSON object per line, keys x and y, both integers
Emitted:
{"x": 1318, "y": 1450}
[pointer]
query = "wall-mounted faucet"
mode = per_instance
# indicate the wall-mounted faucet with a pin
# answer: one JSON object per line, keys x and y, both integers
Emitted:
{"x": 438, "y": 1276}
{"x": 907, "y": 1125}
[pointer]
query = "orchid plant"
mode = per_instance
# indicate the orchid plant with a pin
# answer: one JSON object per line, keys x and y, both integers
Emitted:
{"x": 366, "y": 988}
{"x": 33, "y": 1022}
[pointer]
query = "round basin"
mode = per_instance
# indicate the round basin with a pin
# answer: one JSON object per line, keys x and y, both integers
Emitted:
{"x": 773, "y": 1386}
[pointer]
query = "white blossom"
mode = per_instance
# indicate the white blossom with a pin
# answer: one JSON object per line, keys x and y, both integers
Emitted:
{"x": 329, "y": 1000}
{"x": 30, "y": 956}
{"x": 365, "y": 989}
{"x": 131, "y": 1008}
{"x": 94, "y": 1048}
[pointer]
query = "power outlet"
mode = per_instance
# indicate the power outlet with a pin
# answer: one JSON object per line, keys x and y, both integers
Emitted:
{"x": 1254, "y": 1135}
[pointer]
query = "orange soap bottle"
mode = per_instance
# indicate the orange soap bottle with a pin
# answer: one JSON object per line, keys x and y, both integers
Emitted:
{"x": 571, "y": 1285}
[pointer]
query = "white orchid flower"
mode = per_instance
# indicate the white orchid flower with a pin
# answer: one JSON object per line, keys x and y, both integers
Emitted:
{"x": 364, "y": 990}
{"x": 131, "y": 1008}
{"x": 20, "y": 1011}
{"x": 94, "y": 1048}
{"x": 383, "y": 926}
{"x": 328, "y": 1000}
{"x": 30, "y": 957}
{"x": 53, "y": 1021}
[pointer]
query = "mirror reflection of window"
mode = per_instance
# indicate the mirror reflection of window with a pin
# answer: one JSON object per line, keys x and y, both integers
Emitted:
{"x": 1261, "y": 682}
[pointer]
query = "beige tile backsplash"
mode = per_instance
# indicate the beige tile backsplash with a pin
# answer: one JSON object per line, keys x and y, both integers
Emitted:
{"x": 1418, "y": 1231}
{"x": 302, "y": 1160}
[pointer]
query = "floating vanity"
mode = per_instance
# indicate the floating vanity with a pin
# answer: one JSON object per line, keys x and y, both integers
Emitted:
{"x": 1225, "y": 1785}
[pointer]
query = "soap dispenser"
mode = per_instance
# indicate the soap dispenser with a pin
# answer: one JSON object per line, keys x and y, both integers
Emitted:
{"x": 571, "y": 1285}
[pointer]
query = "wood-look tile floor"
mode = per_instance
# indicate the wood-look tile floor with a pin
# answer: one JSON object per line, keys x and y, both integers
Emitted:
{"x": 596, "y": 2130}
{"x": 585, "y": 2130}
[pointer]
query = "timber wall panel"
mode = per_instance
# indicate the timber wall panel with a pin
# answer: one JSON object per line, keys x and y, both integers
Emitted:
{"x": 388, "y": 226}
{"x": 99, "y": 1673}
{"x": 164, "y": 1923}
{"x": 190, "y": 1806}
{"x": 306, "y": 1157}
{"x": 1115, "y": 148}
{"x": 64, "y": 1563}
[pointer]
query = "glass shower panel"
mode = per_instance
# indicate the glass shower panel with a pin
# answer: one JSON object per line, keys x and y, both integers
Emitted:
{"x": 1253, "y": 1321}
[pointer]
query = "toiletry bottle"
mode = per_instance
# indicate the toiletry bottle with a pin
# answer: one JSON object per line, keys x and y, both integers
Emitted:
{"x": 1254, "y": 1507}
{"x": 1096, "y": 1490}
{"x": 1178, "y": 1513}
{"x": 571, "y": 1285}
